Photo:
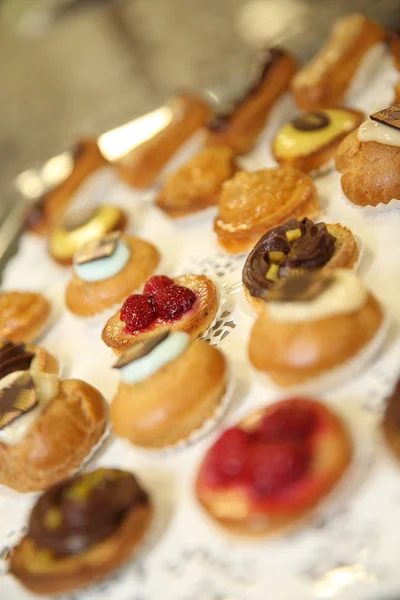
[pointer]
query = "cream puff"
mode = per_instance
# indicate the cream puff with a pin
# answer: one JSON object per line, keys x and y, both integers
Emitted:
{"x": 186, "y": 303}
{"x": 170, "y": 385}
{"x": 269, "y": 472}
{"x": 81, "y": 530}
{"x": 240, "y": 125}
{"x": 296, "y": 245}
{"x": 20, "y": 357}
{"x": 47, "y": 428}
{"x": 23, "y": 315}
{"x": 324, "y": 81}
{"x": 369, "y": 160}
{"x": 310, "y": 140}
{"x": 251, "y": 203}
{"x": 197, "y": 185}
{"x": 391, "y": 420}
{"x": 312, "y": 324}
{"x": 107, "y": 270}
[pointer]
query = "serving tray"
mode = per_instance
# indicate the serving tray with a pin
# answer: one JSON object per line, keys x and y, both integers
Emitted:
{"x": 350, "y": 550}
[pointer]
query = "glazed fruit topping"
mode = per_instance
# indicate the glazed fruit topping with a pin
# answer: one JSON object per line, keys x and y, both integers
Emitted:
{"x": 156, "y": 283}
{"x": 230, "y": 452}
{"x": 292, "y": 422}
{"x": 172, "y": 301}
{"x": 138, "y": 312}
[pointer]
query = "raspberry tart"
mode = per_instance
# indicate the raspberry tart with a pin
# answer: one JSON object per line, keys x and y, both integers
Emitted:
{"x": 271, "y": 470}
{"x": 186, "y": 303}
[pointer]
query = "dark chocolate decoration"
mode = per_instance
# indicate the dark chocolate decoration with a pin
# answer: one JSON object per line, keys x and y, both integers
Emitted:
{"x": 140, "y": 349}
{"x": 14, "y": 357}
{"x": 392, "y": 412}
{"x": 312, "y": 250}
{"x": 311, "y": 121}
{"x": 17, "y": 399}
{"x": 83, "y": 511}
{"x": 388, "y": 116}
{"x": 97, "y": 249}
{"x": 300, "y": 287}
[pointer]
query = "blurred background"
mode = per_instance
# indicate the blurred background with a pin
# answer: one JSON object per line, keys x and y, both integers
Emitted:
{"x": 70, "y": 67}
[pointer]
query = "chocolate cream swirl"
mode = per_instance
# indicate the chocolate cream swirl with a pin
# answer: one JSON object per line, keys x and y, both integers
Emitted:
{"x": 312, "y": 250}
{"x": 78, "y": 513}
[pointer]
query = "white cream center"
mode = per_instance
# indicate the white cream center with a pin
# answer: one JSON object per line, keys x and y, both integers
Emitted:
{"x": 372, "y": 131}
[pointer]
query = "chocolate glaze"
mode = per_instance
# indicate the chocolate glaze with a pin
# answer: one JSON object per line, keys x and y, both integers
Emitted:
{"x": 310, "y": 251}
{"x": 311, "y": 121}
{"x": 75, "y": 514}
{"x": 14, "y": 357}
{"x": 392, "y": 414}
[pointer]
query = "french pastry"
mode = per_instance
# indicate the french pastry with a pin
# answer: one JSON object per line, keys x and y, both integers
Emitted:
{"x": 47, "y": 428}
{"x": 107, "y": 270}
{"x": 251, "y": 203}
{"x": 271, "y": 470}
{"x": 22, "y": 357}
{"x": 185, "y": 303}
{"x": 49, "y": 211}
{"x": 369, "y": 160}
{"x": 74, "y": 233}
{"x": 197, "y": 185}
{"x": 324, "y": 81}
{"x": 142, "y": 166}
{"x": 159, "y": 401}
{"x": 240, "y": 125}
{"x": 391, "y": 420}
{"x": 394, "y": 45}
{"x": 81, "y": 530}
{"x": 23, "y": 315}
{"x": 294, "y": 246}
{"x": 310, "y": 140}
{"x": 312, "y": 323}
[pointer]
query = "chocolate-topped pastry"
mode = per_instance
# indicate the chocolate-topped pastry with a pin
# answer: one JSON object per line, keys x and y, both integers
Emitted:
{"x": 311, "y": 121}
{"x": 140, "y": 349}
{"x": 388, "y": 116}
{"x": 391, "y": 420}
{"x": 96, "y": 249}
{"x": 17, "y": 399}
{"x": 14, "y": 357}
{"x": 300, "y": 287}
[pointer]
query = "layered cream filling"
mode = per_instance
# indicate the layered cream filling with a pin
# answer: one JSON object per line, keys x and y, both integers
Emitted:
{"x": 372, "y": 131}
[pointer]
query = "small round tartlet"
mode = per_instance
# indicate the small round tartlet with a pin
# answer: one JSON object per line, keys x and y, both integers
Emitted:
{"x": 170, "y": 385}
{"x": 186, "y": 303}
{"x": 80, "y": 531}
{"x": 391, "y": 421}
{"x": 296, "y": 245}
{"x": 107, "y": 270}
{"x": 269, "y": 472}
{"x": 23, "y": 315}
{"x": 313, "y": 323}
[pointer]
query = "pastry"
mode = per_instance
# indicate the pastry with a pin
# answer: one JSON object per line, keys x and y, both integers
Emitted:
{"x": 73, "y": 233}
{"x": 197, "y": 185}
{"x": 47, "y": 428}
{"x": 20, "y": 357}
{"x": 310, "y": 140}
{"x": 324, "y": 81}
{"x": 252, "y": 203}
{"x": 159, "y": 400}
{"x": 312, "y": 323}
{"x": 186, "y": 303}
{"x": 397, "y": 92}
{"x": 80, "y": 531}
{"x": 49, "y": 211}
{"x": 391, "y": 420}
{"x": 369, "y": 159}
{"x": 142, "y": 166}
{"x": 293, "y": 246}
{"x": 240, "y": 125}
{"x": 394, "y": 45}
{"x": 271, "y": 470}
{"x": 23, "y": 315}
{"x": 107, "y": 270}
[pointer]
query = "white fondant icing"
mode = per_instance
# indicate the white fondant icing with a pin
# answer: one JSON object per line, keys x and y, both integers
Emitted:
{"x": 372, "y": 131}
{"x": 104, "y": 268}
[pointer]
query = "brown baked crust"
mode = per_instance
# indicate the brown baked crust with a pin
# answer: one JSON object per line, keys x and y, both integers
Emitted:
{"x": 197, "y": 185}
{"x": 195, "y": 322}
{"x": 331, "y": 342}
{"x": 141, "y": 167}
{"x": 394, "y": 46}
{"x": 397, "y": 92}
{"x": 316, "y": 160}
{"x": 170, "y": 404}
{"x": 251, "y": 203}
{"x": 58, "y": 442}
{"x": 371, "y": 171}
{"x": 23, "y": 315}
{"x": 67, "y": 574}
{"x": 249, "y": 117}
{"x": 351, "y": 38}
{"x": 86, "y": 298}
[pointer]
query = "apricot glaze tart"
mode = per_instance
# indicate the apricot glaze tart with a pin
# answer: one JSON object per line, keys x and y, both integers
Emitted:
{"x": 186, "y": 303}
{"x": 271, "y": 470}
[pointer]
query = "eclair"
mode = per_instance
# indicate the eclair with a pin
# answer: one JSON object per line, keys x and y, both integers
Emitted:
{"x": 240, "y": 125}
{"x": 80, "y": 531}
{"x": 23, "y": 315}
{"x": 324, "y": 81}
{"x": 159, "y": 402}
{"x": 107, "y": 270}
{"x": 48, "y": 427}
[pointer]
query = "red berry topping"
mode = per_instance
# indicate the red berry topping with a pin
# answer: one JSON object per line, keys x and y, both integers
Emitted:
{"x": 172, "y": 301}
{"x": 230, "y": 452}
{"x": 137, "y": 312}
{"x": 272, "y": 467}
{"x": 288, "y": 422}
{"x": 156, "y": 283}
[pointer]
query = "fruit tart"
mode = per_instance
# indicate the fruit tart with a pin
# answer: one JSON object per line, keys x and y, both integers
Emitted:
{"x": 23, "y": 315}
